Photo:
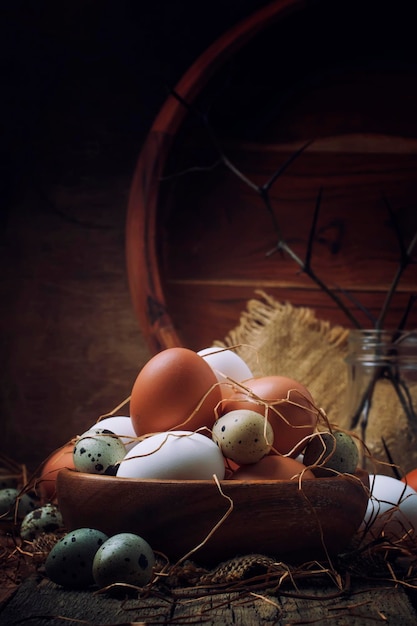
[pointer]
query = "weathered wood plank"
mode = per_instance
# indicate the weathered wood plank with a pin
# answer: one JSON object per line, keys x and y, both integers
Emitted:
{"x": 73, "y": 346}
{"x": 39, "y": 601}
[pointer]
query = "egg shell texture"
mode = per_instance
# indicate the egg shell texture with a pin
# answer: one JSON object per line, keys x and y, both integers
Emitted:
{"x": 243, "y": 436}
{"x": 58, "y": 459}
{"x": 332, "y": 452}
{"x": 411, "y": 479}
{"x": 70, "y": 562}
{"x": 124, "y": 558}
{"x": 97, "y": 451}
{"x": 287, "y": 404}
{"x": 179, "y": 455}
{"x": 175, "y": 389}
{"x": 392, "y": 508}
{"x": 273, "y": 467}
{"x": 13, "y": 503}
{"x": 226, "y": 364}
{"x": 44, "y": 519}
{"x": 121, "y": 426}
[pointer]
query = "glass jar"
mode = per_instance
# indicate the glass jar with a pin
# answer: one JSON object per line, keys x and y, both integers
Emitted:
{"x": 381, "y": 399}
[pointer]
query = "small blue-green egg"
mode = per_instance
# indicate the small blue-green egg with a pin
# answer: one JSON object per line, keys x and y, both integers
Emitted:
{"x": 124, "y": 558}
{"x": 98, "y": 451}
{"x": 8, "y": 507}
{"x": 44, "y": 519}
{"x": 331, "y": 453}
{"x": 70, "y": 562}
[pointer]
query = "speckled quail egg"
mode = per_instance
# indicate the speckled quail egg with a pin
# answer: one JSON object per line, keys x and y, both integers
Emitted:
{"x": 8, "y": 499}
{"x": 243, "y": 436}
{"x": 331, "y": 453}
{"x": 70, "y": 562}
{"x": 44, "y": 519}
{"x": 124, "y": 558}
{"x": 98, "y": 451}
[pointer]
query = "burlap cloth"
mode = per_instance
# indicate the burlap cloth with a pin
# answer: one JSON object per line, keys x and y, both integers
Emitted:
{"x": 278, "y": 338}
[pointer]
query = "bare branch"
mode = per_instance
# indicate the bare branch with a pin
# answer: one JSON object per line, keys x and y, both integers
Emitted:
{"x": 238, "y": 173}
{"x": 396, "y": 227}
{"x": 285, "y": 165}
{"x": 404, "y": 262}
{"x": 313, "y": 228}
{"x": 410, "y": 304}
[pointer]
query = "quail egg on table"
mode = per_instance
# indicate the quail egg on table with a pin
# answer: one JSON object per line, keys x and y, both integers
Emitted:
{"x": 12, "y": 503}
{"x": 124, "y": 558}
{"x": 70, "y": 562}
{"x": 44, "y": 519}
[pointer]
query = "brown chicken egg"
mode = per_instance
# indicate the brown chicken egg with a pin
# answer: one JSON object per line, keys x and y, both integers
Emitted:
{"x": 287, "y": 404}
{"x": 176, "y": 389}
{"x": 60, "y": 458}
{"x": 273, "y": 467}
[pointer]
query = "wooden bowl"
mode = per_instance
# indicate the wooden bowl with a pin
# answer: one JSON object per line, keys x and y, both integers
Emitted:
{"x": 275, "y": 518}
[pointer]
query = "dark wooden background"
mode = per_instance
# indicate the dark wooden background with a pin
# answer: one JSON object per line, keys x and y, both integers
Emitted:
{"x": 81, "y": 84}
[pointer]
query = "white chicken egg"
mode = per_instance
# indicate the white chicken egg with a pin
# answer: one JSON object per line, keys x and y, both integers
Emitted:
{"x": 181, "y": 455}
{"x": 392, "y": 507}
{"x": 121, "y": 426}
{"x": 226, "y": 364}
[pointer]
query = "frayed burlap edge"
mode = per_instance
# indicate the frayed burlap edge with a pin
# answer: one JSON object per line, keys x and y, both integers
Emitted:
{"x": 277, "y": 338}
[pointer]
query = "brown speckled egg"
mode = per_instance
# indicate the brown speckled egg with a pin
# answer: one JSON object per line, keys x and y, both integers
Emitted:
{"x": 176, "y": 389}
{"x": 287, "y": 404}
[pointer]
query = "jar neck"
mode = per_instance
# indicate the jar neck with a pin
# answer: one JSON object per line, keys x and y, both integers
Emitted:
{"x": 382, "y": 347}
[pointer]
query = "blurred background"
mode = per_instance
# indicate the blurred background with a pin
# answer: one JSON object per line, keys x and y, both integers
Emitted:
{"x": 82, "y": 83}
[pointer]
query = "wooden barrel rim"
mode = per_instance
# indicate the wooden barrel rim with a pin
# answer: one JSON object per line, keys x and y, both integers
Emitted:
{"x": 145, "y": 287}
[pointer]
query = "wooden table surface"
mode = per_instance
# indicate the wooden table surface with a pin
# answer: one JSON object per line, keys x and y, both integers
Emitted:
{"x": 316, "y": 601}
{"x": 38, "y": 601}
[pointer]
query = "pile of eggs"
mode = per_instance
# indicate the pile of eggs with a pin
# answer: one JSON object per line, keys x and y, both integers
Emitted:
{"x": 198, "y": 414}
{"x": 195, "y": 415}
{"x": 87, "y": 556}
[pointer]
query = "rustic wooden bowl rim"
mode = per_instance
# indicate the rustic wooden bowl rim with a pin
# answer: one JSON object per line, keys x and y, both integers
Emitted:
{"x": 362, "y": 475}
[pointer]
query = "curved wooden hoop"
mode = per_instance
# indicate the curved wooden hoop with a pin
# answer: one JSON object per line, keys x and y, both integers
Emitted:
{"x": 141, "y": 224}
